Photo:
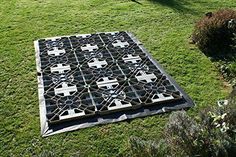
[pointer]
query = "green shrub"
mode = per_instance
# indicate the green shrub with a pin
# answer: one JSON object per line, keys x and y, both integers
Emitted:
{"x": 213, "y": 35}
{"x": 212, "y": 133}
{"x": 141, "y": 148}
{"x": 220, "y": 123}
{"x": 182, "y": 134}
{"x": 46, "y": 153}
{"x": 189, "y": 138}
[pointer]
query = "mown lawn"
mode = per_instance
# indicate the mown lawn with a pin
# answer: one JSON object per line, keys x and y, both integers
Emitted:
{"x": 164, "y": 27}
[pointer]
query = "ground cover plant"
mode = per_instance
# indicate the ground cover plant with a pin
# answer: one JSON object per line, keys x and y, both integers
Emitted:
{"x": 164, "y": 27}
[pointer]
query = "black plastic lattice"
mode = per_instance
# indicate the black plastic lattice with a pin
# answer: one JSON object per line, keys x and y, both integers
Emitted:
{"x": 84, "y": 79}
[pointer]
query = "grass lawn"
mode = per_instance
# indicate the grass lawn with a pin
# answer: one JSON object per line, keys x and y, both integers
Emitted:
{"x": 163, "y": 26}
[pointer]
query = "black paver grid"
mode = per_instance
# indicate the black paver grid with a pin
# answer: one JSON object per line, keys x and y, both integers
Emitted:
{"x": 92, "y": 79}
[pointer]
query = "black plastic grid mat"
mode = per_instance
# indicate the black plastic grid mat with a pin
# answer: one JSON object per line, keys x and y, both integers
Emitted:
{"x": 91, "y": 79}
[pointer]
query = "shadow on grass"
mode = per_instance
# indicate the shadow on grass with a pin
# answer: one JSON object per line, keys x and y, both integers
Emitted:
{"x": 135, "y": 1}
{"x": 177, "y": 5}
{"x": 226, "y": 57}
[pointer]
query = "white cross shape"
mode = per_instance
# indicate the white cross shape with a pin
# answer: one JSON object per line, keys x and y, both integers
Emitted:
{"x": 96, "y": 63}
{"x": 60, "y": 68}
{"x": 112, "y": 33}
{"x": 107, "y": 83}
{"x": 56, "y": 52}
{"x": 65, "y": 90}
{"x": 70, "y": 113}
{"x": 161, "y": 97}
{"x": 119, "y": 104}
{"x": 131, "y": 58}
{"x": 120, "y": 43}
{"x": 89, "y": 47}
{"x": 144, "y": 76}
{"x": 84, "y": 35}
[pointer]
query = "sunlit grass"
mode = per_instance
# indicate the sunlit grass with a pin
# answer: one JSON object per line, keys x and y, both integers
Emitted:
{"x": 163, "y": 27}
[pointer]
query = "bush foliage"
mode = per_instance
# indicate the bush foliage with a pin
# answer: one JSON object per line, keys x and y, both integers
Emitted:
{"x": 214, "y": 35}
{"x": 212, "y": 133}
{"x": 141, "y": 148}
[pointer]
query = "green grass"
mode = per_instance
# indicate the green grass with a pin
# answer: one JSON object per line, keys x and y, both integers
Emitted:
{"x": 163, "y": 26}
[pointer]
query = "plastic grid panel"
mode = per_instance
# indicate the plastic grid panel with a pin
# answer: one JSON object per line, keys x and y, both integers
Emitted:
{"x": 85, "y": 80}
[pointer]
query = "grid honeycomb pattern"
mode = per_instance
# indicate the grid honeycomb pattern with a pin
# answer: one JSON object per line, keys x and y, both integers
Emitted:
{"x": 98, "y": 74}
